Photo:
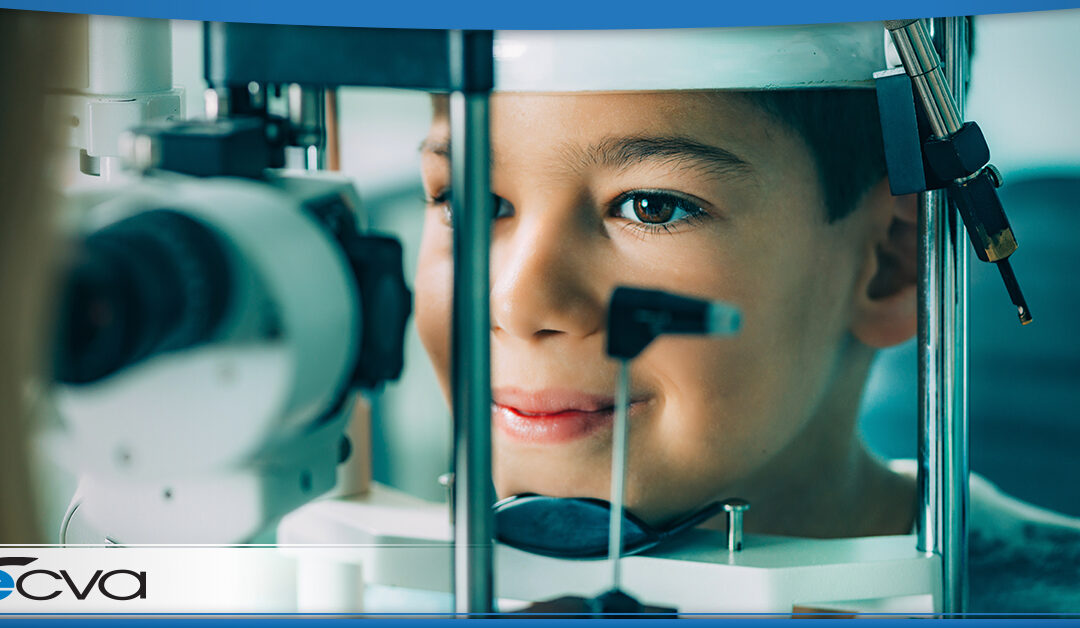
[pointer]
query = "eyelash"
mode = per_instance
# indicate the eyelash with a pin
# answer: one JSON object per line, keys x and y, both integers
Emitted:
{"x": 694, "y": 212}
{"x": 443, "y": 199}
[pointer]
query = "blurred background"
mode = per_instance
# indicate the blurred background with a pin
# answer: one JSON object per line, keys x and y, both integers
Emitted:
{"x": 1023, "y": 393}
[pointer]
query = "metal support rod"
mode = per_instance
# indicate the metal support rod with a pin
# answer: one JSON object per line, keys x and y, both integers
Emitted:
{"x": 955, "y": 458}
{"x": 931, "y": 379}
{"x": 927, "y": 521}
{"x": 915, "y": 46}
{"x": 618, "y": 471}
{"x": 943, "y": 444}
{"x": 470, "y": 344}
{"x": 307, "y": 123}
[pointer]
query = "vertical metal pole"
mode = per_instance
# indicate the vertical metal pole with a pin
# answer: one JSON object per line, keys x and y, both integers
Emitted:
{"x": 471, "y": 369}
{"x": 955, "y": 446}
{"x": 928, "y": 521}
{"x": 943, "y": 419}
{"x": 307, "y": 119}
{"x": 618, "y": 472}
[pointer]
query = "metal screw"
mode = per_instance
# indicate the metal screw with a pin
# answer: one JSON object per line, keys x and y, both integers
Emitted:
{"x": 446, "y": 480}
{"x": 735, "y": 508}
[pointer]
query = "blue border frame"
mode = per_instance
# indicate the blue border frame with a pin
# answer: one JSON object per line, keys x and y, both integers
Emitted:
{"x": 553, "y": 14}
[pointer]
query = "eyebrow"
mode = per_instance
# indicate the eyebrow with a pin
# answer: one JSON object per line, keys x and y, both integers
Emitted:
{"x": 621, "y": 153}
{"x": 441, "y": 148}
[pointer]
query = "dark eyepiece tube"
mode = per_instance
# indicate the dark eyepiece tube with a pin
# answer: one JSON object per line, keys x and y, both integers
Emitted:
{"x": 636, "y": 316}
{"x": 155, "y": 282}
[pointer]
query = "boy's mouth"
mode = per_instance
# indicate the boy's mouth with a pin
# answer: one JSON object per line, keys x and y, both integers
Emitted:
{"x": 551, "y": 416}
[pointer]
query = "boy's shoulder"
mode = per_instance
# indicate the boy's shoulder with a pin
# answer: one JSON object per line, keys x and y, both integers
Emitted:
{"x": 1021, "y": 558}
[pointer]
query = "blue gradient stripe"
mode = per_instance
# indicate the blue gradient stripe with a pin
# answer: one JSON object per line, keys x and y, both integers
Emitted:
{"x": 490, "y": 623}
{"x": 536, "y": 14}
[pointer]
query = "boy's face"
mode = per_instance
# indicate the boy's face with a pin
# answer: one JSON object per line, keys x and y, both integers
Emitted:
{"x": 694, "y": 193}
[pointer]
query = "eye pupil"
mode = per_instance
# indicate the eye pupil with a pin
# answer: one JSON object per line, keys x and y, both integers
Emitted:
{"x": 501, "y": 208}
{"x": 652, "y": 210}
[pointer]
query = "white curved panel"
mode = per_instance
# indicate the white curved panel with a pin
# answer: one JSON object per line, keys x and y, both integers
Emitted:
{"x": 768, "y": 57}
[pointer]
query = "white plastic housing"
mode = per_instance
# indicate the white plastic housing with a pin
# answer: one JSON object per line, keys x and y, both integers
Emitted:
{"x": 214, "y": 442}
{"x": 747, "y": 58}
{"x": 403, "y": 542}
{"x": 216, "y": 406}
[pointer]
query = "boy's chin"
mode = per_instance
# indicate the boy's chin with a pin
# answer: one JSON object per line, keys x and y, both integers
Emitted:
{"x": 651, "y": 510}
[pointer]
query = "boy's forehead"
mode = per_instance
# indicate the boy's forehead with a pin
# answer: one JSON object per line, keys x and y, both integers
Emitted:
{"x": 526, "y": 121}
{"x": 658, "y": 108}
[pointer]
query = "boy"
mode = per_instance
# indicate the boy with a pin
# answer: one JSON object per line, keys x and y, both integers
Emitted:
{"x": 696, "y": 193}
{"x": 774, "y": 201}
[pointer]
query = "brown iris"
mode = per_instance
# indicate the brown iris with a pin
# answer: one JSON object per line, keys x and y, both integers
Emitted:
{"x": 654, "y": 209}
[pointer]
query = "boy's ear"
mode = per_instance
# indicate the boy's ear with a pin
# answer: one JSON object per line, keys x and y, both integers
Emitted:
{"x": 886, "y": 299}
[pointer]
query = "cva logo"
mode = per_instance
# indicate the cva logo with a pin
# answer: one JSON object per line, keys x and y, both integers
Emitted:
{"x": 43, "y": 584}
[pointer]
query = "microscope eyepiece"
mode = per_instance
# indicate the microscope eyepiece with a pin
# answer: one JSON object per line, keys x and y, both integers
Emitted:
{"x": 155, "y": 282}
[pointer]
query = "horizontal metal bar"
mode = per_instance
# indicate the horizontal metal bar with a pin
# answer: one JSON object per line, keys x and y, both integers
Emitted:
{"x": 238, "y": 53}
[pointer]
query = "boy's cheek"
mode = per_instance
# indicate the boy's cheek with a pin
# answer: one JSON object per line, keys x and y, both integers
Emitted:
{"x": 433, "y": 287}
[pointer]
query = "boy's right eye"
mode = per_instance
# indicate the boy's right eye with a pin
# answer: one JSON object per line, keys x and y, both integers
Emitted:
{"x": 502, "y": 207}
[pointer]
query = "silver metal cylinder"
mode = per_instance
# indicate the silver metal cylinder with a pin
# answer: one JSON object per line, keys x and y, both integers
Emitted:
{"x": 931, "y": 278}
{"x": 307, "y": 125}
{"x": 471, "y": 370}
{"x": 943, "y": 445}
{"x": 735, "y": 508}
{"x": 916, "y": 49}
{"x": 734, "y": 537}
{"x": 933, "y": 89}
{"x": 955, "y": 460}
{"x": 129, "y": 55}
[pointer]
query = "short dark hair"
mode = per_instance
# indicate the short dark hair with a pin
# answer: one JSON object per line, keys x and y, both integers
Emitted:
{"x": 843, "y": 131}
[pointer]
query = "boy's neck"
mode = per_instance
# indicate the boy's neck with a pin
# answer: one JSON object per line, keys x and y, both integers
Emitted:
{"x": 861, "y": 497}
{"x": 826, "y": 483}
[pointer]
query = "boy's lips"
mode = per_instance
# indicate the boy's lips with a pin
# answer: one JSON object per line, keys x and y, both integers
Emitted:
{"x": 551, "y": 415}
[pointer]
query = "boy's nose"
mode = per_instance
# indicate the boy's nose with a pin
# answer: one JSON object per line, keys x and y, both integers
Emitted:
{"x": 545, "y": 281}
